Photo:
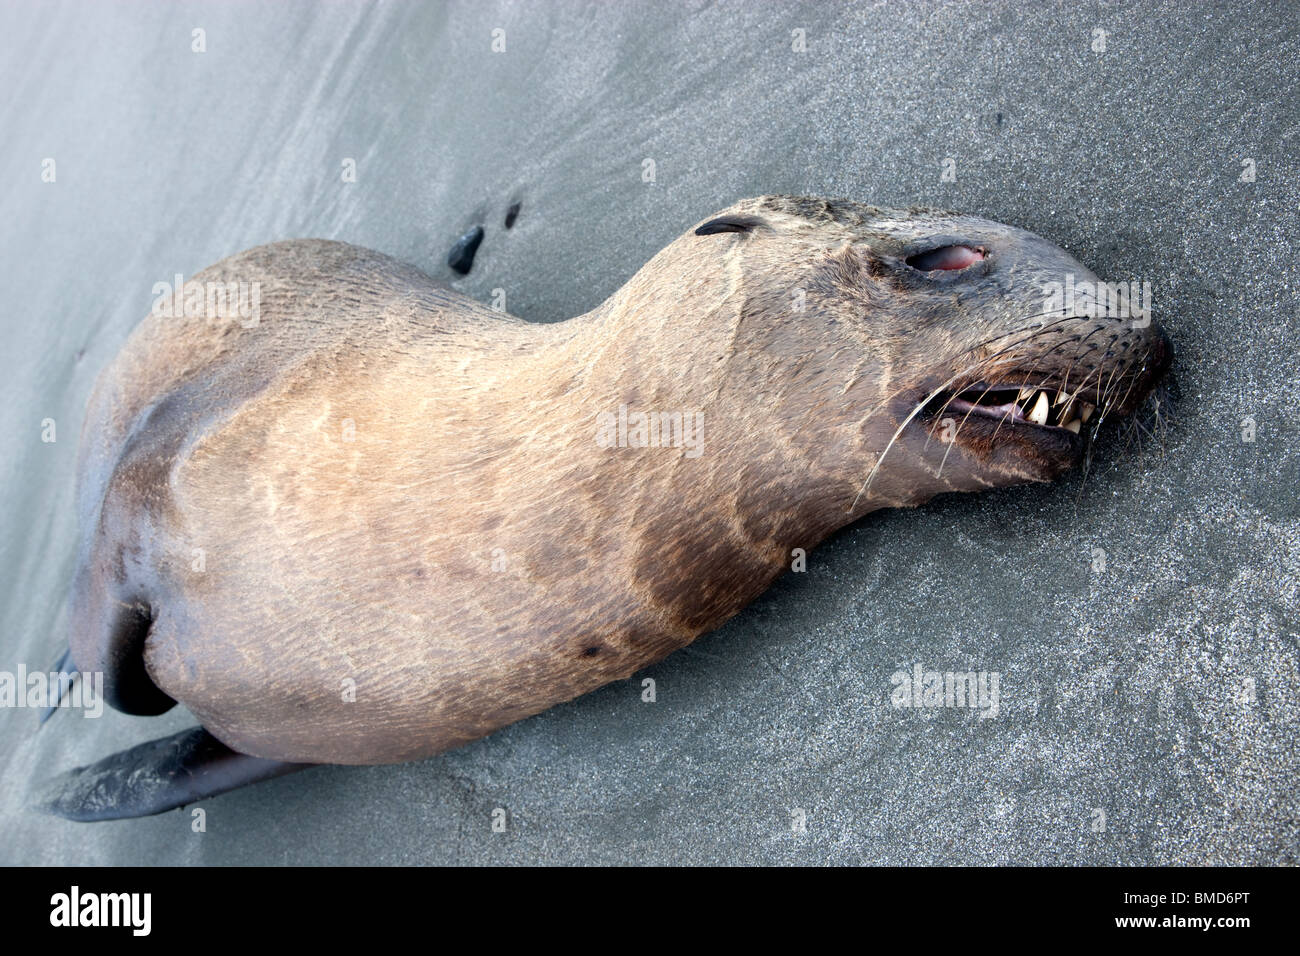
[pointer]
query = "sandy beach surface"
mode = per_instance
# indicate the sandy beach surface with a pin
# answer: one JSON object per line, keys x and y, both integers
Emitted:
{"x": 1148, "y": 710}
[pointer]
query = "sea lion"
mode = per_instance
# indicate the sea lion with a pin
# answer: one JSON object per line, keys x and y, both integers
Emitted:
{"x": 382, "y": 520}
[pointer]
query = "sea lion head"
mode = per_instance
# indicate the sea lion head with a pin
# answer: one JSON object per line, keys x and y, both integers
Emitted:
{"x": 964, "y": 353}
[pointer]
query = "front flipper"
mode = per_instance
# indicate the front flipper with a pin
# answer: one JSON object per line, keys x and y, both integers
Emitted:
{"x": 155, "y": 777}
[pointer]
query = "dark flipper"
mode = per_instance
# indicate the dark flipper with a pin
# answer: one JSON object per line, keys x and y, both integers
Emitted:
{"x": 154, "y": 777}
{"x": 63, "y": 665}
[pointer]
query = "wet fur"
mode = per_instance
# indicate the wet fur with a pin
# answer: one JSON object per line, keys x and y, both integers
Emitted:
{"x": 371, "y": 560}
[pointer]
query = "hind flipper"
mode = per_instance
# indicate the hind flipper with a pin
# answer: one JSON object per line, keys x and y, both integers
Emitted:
{"x": 155, "y": 777}
{"x": 60, "y": 689}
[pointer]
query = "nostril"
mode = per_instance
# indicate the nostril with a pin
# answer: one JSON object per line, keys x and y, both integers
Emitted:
{"x": 946, "y": 258}
{"x": 1162, "y": 353}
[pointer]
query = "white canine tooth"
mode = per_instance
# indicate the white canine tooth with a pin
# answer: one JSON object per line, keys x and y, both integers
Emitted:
{"x": 1087, "y": 411}
{"x": 1039, "y": 415}
{"x": 1073, "y": 426}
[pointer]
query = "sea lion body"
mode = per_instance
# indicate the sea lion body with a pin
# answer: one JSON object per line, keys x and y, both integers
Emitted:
{"x": 381, "y": 521}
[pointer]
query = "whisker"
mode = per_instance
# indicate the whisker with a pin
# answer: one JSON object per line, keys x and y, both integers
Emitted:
{"x": 983, "y": 368}
{"x": 988, "y": 360}
{"x": 1034, "y": 330}
{"x": 915, "y": 411}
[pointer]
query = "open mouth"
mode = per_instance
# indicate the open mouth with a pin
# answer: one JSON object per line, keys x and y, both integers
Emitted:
{"x": 1038, "y": 406}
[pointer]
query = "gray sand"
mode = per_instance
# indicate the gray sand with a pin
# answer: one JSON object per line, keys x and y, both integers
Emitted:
{"x": 1126, "y": 731}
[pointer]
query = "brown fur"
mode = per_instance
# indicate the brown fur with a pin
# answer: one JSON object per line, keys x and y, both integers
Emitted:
{"x": 371, "y": 560}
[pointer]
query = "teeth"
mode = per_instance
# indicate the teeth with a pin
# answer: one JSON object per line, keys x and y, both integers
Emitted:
{"x": 1039, "y": 413}
{"x": 1036, "y": 405}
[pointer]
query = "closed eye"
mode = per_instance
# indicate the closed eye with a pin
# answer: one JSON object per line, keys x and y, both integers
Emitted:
{"x": 946, "y": 258}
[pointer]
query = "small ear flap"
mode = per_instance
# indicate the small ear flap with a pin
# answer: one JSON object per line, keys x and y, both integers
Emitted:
{"x": 728, "y": 224}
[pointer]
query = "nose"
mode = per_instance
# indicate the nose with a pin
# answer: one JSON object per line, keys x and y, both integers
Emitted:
{"x": 1159, "y": 358}
{"x": 1162, "y": 354}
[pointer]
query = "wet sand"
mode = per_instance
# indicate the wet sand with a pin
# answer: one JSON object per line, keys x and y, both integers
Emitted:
{"x": 1125, "y": 732}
